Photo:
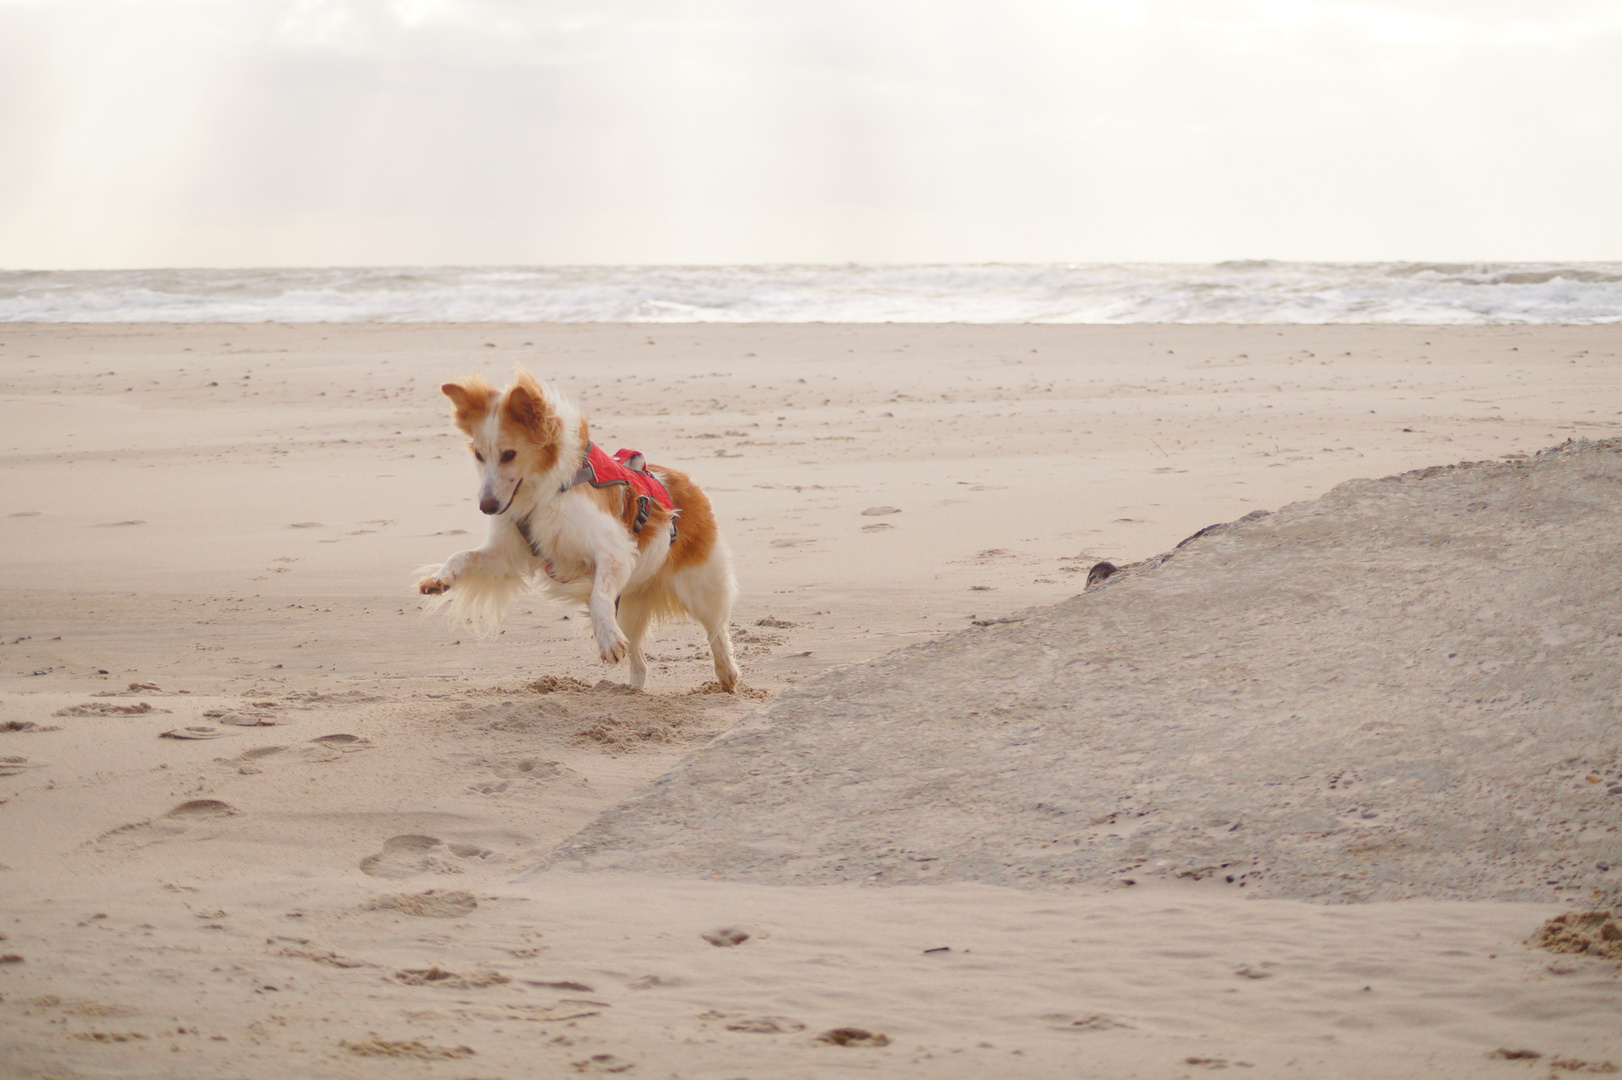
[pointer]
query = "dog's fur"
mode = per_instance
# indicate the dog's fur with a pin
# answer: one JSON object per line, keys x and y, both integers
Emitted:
{"x": 529, "y": 441}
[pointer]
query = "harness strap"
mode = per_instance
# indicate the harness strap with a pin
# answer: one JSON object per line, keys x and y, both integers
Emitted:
{"x": 585, "y": 475}
{"x": 582, "y": 475}
{"x": 643, "y": 508}
{"x": 523, "y": 530}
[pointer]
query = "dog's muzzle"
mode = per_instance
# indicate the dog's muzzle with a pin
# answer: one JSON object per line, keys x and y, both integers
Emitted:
{"x": 488, "y": 504}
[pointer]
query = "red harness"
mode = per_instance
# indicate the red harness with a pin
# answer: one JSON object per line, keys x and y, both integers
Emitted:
{"x": 625, "y": 467}
{"x": 600, "y": 470}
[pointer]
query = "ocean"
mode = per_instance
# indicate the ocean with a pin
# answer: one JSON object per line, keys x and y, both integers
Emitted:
{"x": 1228, "y": 292}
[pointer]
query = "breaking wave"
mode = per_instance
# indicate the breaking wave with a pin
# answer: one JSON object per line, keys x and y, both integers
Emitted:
{"x": 1249, "y": 291}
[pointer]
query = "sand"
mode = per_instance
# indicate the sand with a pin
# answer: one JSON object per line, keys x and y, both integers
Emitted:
{"x": 262, "y": 818}
{"x": 1422, "y": 674}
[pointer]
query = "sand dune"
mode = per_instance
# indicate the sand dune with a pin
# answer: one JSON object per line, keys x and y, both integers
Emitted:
{"x": 1409, "y": 687}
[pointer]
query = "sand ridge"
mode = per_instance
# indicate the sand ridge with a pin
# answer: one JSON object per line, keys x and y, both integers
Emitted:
{"x": 1409, "y": 687}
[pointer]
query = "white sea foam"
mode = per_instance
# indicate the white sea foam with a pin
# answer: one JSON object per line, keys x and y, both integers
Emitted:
{"x": 1232, "y": 292}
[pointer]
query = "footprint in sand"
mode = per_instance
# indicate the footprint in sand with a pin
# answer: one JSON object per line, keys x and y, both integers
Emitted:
{"x": 413, "y": 854}
{"x": 346, "y": 743}
{"x": 402, "y": 857}
{"x": 170, "y": 825}
{"x": 193, "y": 809}
{"x": 329, "y": 748}
{"x": 245, "y": 760}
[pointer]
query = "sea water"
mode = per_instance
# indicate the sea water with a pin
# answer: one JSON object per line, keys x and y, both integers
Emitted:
{"x": 1229, "y": 292}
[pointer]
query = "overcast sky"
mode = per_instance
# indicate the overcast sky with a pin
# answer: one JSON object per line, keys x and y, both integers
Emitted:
{"x": 413, "y": 132}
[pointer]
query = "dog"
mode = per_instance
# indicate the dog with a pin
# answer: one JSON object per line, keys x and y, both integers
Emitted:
{"x": 634, "y": 543}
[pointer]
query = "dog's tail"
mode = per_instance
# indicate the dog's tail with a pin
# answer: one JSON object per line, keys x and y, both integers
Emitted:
{"x": 478, "y": 600}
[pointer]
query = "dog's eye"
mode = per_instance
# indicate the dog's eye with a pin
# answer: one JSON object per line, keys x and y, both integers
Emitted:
{"x": 508, "y": 455}
{"x": 478, "y": 455}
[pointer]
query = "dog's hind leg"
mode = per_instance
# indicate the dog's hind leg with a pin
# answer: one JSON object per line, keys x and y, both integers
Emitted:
{"x": 706, "y": 592}
{"x": 726, "y": 669}
{"x": 634, "y": 614}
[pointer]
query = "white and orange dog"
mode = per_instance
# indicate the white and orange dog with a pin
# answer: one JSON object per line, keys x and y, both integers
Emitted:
{"x": 632, "y": 543}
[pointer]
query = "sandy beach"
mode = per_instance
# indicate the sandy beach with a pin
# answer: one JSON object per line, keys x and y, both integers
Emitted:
{"x": 264, "y": 818}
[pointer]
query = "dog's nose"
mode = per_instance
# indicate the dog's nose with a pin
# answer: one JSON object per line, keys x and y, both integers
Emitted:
{"x": 489, "y": 505}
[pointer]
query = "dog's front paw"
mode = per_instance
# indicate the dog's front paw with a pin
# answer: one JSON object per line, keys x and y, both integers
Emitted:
{"x": 613, "y": 649}
{"x": 432, "y": 586}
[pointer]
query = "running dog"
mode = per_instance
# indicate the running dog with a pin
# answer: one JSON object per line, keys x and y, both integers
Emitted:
{"x": 630, "y": 541}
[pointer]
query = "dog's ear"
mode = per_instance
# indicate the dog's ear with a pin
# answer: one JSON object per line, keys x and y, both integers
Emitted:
{"x": 458, "y": 395}
{"x": 526, "y": 410}
{"x": 471, "y": 400}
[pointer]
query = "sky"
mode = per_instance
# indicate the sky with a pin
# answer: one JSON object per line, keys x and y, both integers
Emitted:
{"x": 240, "y": 133}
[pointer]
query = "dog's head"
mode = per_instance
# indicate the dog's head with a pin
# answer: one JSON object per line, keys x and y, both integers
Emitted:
{"x": 515, "y": 434}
